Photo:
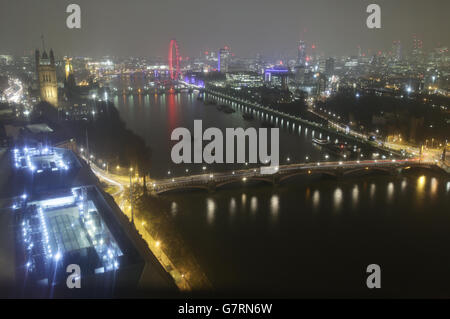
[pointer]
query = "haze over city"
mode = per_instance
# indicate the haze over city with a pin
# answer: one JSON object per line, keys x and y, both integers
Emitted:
{"x": 224, "y": 149}
{"x": 141, "y": 28}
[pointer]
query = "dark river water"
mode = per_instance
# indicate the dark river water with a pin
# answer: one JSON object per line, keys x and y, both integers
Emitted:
{"x": 309, "y": 236}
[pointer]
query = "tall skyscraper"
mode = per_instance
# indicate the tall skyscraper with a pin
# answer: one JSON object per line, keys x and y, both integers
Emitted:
{"x": 46, "y": 74}
{"x": 329, "y": 67}
{"x": 397, "y": 50}
{"x": 301, "y": 53}
{"x": 223, "y": 59}
{"x": 417, "y": 45}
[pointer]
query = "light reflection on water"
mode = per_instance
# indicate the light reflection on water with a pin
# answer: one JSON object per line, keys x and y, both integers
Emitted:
{"x": 174, "y": 208}
{"x": 254, "y": 205}
{"x": 337, "y": 199}
{"x": 434, "y": 187}
{"x": 390, "y": 192}
{"x": 274, "y": 205}
{"x": 316, "y": 199}
{"x": 210, "y": 210}
{"x": 372, "y": 191}
{"x": 232, "y": 206}
{"x": 420, "y": 189}
{"x": 285, "y": 210}
{"x": 355, "y": 196}
{"x": 404, "y": 184}
{"x": 244, "y": 199}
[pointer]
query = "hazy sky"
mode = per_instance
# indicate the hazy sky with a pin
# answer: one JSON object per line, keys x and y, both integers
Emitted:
{"x": 270, "y": 27}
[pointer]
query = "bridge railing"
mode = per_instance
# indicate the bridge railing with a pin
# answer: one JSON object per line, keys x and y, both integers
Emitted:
{"x": 206, "y": 179}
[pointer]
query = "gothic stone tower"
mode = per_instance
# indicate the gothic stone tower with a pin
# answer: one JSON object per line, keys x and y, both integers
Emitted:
{"x": 46, "y": 72}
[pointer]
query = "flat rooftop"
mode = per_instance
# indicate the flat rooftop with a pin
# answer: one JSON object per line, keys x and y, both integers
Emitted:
{"x": 41, "y": 169}
{"x": 59, "y": 217}
{"x": 55, "y": 231}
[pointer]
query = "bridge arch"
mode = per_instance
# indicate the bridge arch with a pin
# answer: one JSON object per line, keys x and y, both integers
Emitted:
{"x": 369, "y": 169}
{"x": 182, "y": 188}
{"x": 308, "y": 172}
{"x": 240, "y": 181}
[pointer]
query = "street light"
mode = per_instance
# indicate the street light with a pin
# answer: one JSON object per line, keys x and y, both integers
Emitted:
{"x": 131, "y": 198}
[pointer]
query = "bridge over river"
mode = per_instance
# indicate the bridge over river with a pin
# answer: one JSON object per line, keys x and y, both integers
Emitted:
{"x": 213, "y": 181}
{"x": 282, "y": 119}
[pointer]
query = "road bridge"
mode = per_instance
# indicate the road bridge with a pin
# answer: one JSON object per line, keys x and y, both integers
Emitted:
{"x": 213, "y": 181}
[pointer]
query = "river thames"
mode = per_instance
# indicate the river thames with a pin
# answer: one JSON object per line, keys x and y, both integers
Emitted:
{"x": 312, "y": 236}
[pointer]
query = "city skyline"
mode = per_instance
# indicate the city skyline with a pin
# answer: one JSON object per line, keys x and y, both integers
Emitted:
{"x": 267, "y": 28}
{"x": 253, "y": 149}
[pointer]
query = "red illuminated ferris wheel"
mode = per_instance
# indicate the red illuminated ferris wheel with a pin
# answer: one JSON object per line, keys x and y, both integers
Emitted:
{"x": 174, "y": 60}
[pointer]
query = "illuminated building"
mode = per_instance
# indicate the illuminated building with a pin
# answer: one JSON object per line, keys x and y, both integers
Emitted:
{"x": 46, "y": 73}
{"x": 329, "y": 67}
{"x": 61, "y": 217}
{"x": 223, "y": 61}
{"x": 68, "y": 69}
{"x": 244, "y": 79}
{"x": 277, "y": 76}
{"x": 301, "y": 53}
{"x": 397, "y": 50}
{"x": 299, "y": 71}
{"x": 64, "y": 228}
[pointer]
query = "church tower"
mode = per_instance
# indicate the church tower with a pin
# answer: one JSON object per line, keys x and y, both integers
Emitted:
{"x": 46, "y": 72}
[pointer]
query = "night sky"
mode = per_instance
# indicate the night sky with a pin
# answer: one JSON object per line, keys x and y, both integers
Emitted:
{"x": 144, "y": 27}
